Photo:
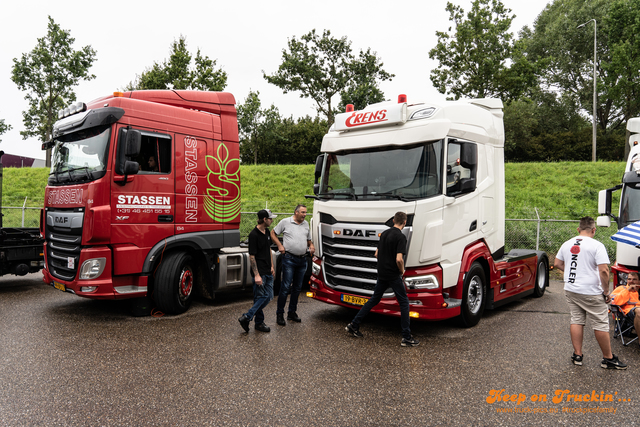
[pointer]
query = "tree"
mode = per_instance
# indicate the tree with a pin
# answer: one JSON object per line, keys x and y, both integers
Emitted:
{"x": 320, "y": 67}
{"x": 565, "y": 53}
{"x": 255, "y": 125}
{"x": 473, "y": 54}
{"x": 364, "y": 89}
{"x": 4, "y": 127}
{"x": 48, "y": 73}
{"x": 178, "y": 73}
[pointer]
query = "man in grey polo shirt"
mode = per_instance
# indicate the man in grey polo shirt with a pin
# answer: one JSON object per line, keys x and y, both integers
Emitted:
{"x": 295, "y": 241}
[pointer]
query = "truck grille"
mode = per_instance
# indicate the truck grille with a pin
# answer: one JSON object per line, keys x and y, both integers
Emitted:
{"x": 350, "y": 264}
{"x": 348, "y": 251}
{"x": 63, "y": 243}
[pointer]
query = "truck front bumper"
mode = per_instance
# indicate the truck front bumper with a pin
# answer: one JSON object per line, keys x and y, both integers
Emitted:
{"x": 422, "y": 305}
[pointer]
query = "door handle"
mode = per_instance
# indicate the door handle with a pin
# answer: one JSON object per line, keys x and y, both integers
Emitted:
{"x": 474, "y": 225}
{"x": 165, "y": 218}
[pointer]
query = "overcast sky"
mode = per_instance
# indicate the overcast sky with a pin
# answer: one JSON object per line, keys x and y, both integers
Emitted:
{"x": 245, "y": 37}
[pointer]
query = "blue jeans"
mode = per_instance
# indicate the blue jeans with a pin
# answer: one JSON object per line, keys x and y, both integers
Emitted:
{"x": 401, "y": 296}
{"x": 293, "y": 269}
{"x": 261, "y": 297}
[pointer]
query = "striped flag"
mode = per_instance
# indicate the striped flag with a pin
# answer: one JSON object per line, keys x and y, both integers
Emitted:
{"x": 629, "y": 235}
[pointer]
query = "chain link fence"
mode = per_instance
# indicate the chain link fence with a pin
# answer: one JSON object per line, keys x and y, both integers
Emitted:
{"x": 21, "y": 213}
{"x": 540, "y": 232}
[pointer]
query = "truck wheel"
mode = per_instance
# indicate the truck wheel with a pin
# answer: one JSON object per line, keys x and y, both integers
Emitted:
{"x": 174, "y": 284}
{"x": 542, "y": 276}
{"x": 473, "y": 296}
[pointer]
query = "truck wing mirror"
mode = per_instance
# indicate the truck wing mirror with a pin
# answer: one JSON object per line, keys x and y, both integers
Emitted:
{"x": 133, "y": 142}
{"x": 131, "y": 168}
{"x": 319, "y": 163}
{"x": 129, "y": 142}
{"x": 468, "y": 155}
{"x": 604, "y": 205}
{"x": 467, "y": 185}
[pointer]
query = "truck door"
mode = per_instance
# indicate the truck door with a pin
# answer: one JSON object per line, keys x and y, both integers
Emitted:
{"x": 143, "y": 208}
{"x": 461, "y": 214}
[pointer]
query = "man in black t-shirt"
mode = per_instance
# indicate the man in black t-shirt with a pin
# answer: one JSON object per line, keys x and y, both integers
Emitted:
{"x": 262, "y": 270}
{"x": 390, "y": 254}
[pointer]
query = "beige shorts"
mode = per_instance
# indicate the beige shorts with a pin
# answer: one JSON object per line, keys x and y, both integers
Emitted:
{"x": 588, "y": 306}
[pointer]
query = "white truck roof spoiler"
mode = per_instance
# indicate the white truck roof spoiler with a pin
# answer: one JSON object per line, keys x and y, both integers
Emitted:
{"x": 488, "y": 103}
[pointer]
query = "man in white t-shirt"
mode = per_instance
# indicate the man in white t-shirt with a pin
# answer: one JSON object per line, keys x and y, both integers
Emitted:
{"x": 585, "y": 264}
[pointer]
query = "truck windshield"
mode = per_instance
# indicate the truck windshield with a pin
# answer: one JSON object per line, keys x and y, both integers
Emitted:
{"x": 629, "y": 206}
{"x": 80, "y": 156}
{"x": 406, "y": 173}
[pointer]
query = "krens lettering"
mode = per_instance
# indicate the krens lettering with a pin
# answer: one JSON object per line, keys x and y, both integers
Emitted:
{"x": 367, "y": 118}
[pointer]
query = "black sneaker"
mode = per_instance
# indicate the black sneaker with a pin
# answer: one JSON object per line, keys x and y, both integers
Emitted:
{"x": 411, "y": 342}
{"x": 262, "y": 327}
{"x": 613, "y": 363}
{"x": 280, "y": 320}
{"x": 353, "y": 330}
{"x": 244, "y": 322}
{"x": 577, "y": 360}
{"x": 293, "y": 317}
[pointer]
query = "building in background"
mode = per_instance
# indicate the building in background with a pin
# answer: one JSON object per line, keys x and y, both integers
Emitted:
{"x": 13, "y": 161}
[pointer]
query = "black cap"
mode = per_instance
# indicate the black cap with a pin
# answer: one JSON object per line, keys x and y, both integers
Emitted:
{"x": 266, "y": 213}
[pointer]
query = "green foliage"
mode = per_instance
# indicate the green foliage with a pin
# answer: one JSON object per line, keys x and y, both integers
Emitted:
{"x": 48, "y": 73}
{"x": 320, "y": 67}
{"x": 622, "y": 76}
{"x": 4, "y": 127}
{"x": 563, "y": 190}
{"x": 564, "y": 54}
{"x": 266, "y": 137}
{"x": 363, "y": 88}
{"x": 473, "y": 53}
{"x": 177, "y": 73}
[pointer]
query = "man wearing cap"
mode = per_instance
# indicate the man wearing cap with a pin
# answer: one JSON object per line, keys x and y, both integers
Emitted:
{"x": 295, "y": 241}
{"x": 263, "y": 271}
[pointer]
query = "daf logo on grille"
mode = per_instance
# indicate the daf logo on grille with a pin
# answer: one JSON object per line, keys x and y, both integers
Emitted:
{"x": 61, "y": 219}
{"x": 359, "y": 233}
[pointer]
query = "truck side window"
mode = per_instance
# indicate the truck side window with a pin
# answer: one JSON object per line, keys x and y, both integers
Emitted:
{"x": 459, "y": 174}
{"x": 155, "y": 154}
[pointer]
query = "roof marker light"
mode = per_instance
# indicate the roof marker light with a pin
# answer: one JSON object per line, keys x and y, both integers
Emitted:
{"x": 402, "y": 99}
{"x": 349, "y": 108}
{"x": 118, "y": 94}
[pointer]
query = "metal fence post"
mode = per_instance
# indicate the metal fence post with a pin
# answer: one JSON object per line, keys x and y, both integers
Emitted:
{"x": 538, "y": 230}
{"x": 24, "y": 209}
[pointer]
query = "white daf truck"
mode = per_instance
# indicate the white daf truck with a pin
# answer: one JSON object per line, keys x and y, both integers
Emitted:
{"x": 442, "y": 164}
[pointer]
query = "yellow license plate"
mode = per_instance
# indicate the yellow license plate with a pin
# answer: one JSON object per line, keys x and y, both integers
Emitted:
{"x": 354, "y": 300}
{"x": 59, "y": 286}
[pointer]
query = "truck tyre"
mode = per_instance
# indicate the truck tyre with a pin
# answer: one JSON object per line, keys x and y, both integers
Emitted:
{"x": 474, "y": 296}
{"x": 542, "y": 276}
{"x": 174, "y": 283}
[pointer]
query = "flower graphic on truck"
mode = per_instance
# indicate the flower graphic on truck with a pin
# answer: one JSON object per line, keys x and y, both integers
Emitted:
{"x": 222, "y": 202}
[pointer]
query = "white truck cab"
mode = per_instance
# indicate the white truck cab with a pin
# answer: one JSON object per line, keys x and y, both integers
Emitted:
{"x": 441, "y": 164}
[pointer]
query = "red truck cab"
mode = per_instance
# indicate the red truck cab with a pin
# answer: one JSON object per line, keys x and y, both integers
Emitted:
{"x": 144, "y": 192}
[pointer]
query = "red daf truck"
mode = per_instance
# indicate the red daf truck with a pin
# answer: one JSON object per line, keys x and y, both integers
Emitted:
{"x": 143, "y": 198}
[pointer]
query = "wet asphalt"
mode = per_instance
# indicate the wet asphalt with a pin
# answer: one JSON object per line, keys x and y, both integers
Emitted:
{"x": 69, "y": 361}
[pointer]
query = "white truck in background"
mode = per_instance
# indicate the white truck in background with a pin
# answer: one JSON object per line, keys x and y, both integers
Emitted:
{"x": 627, "y": 256}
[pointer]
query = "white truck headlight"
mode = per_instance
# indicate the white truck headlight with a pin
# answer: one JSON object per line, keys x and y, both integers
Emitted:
{"x": 92, "y": 268}
{"x": 422, "y": 282}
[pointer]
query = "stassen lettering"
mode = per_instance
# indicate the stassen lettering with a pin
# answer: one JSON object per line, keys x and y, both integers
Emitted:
{"x": 143, "y": 200}
{"x": 65, "y": 196}
{"x": 359, "y": 119}
{"x": 191, "y": 178}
